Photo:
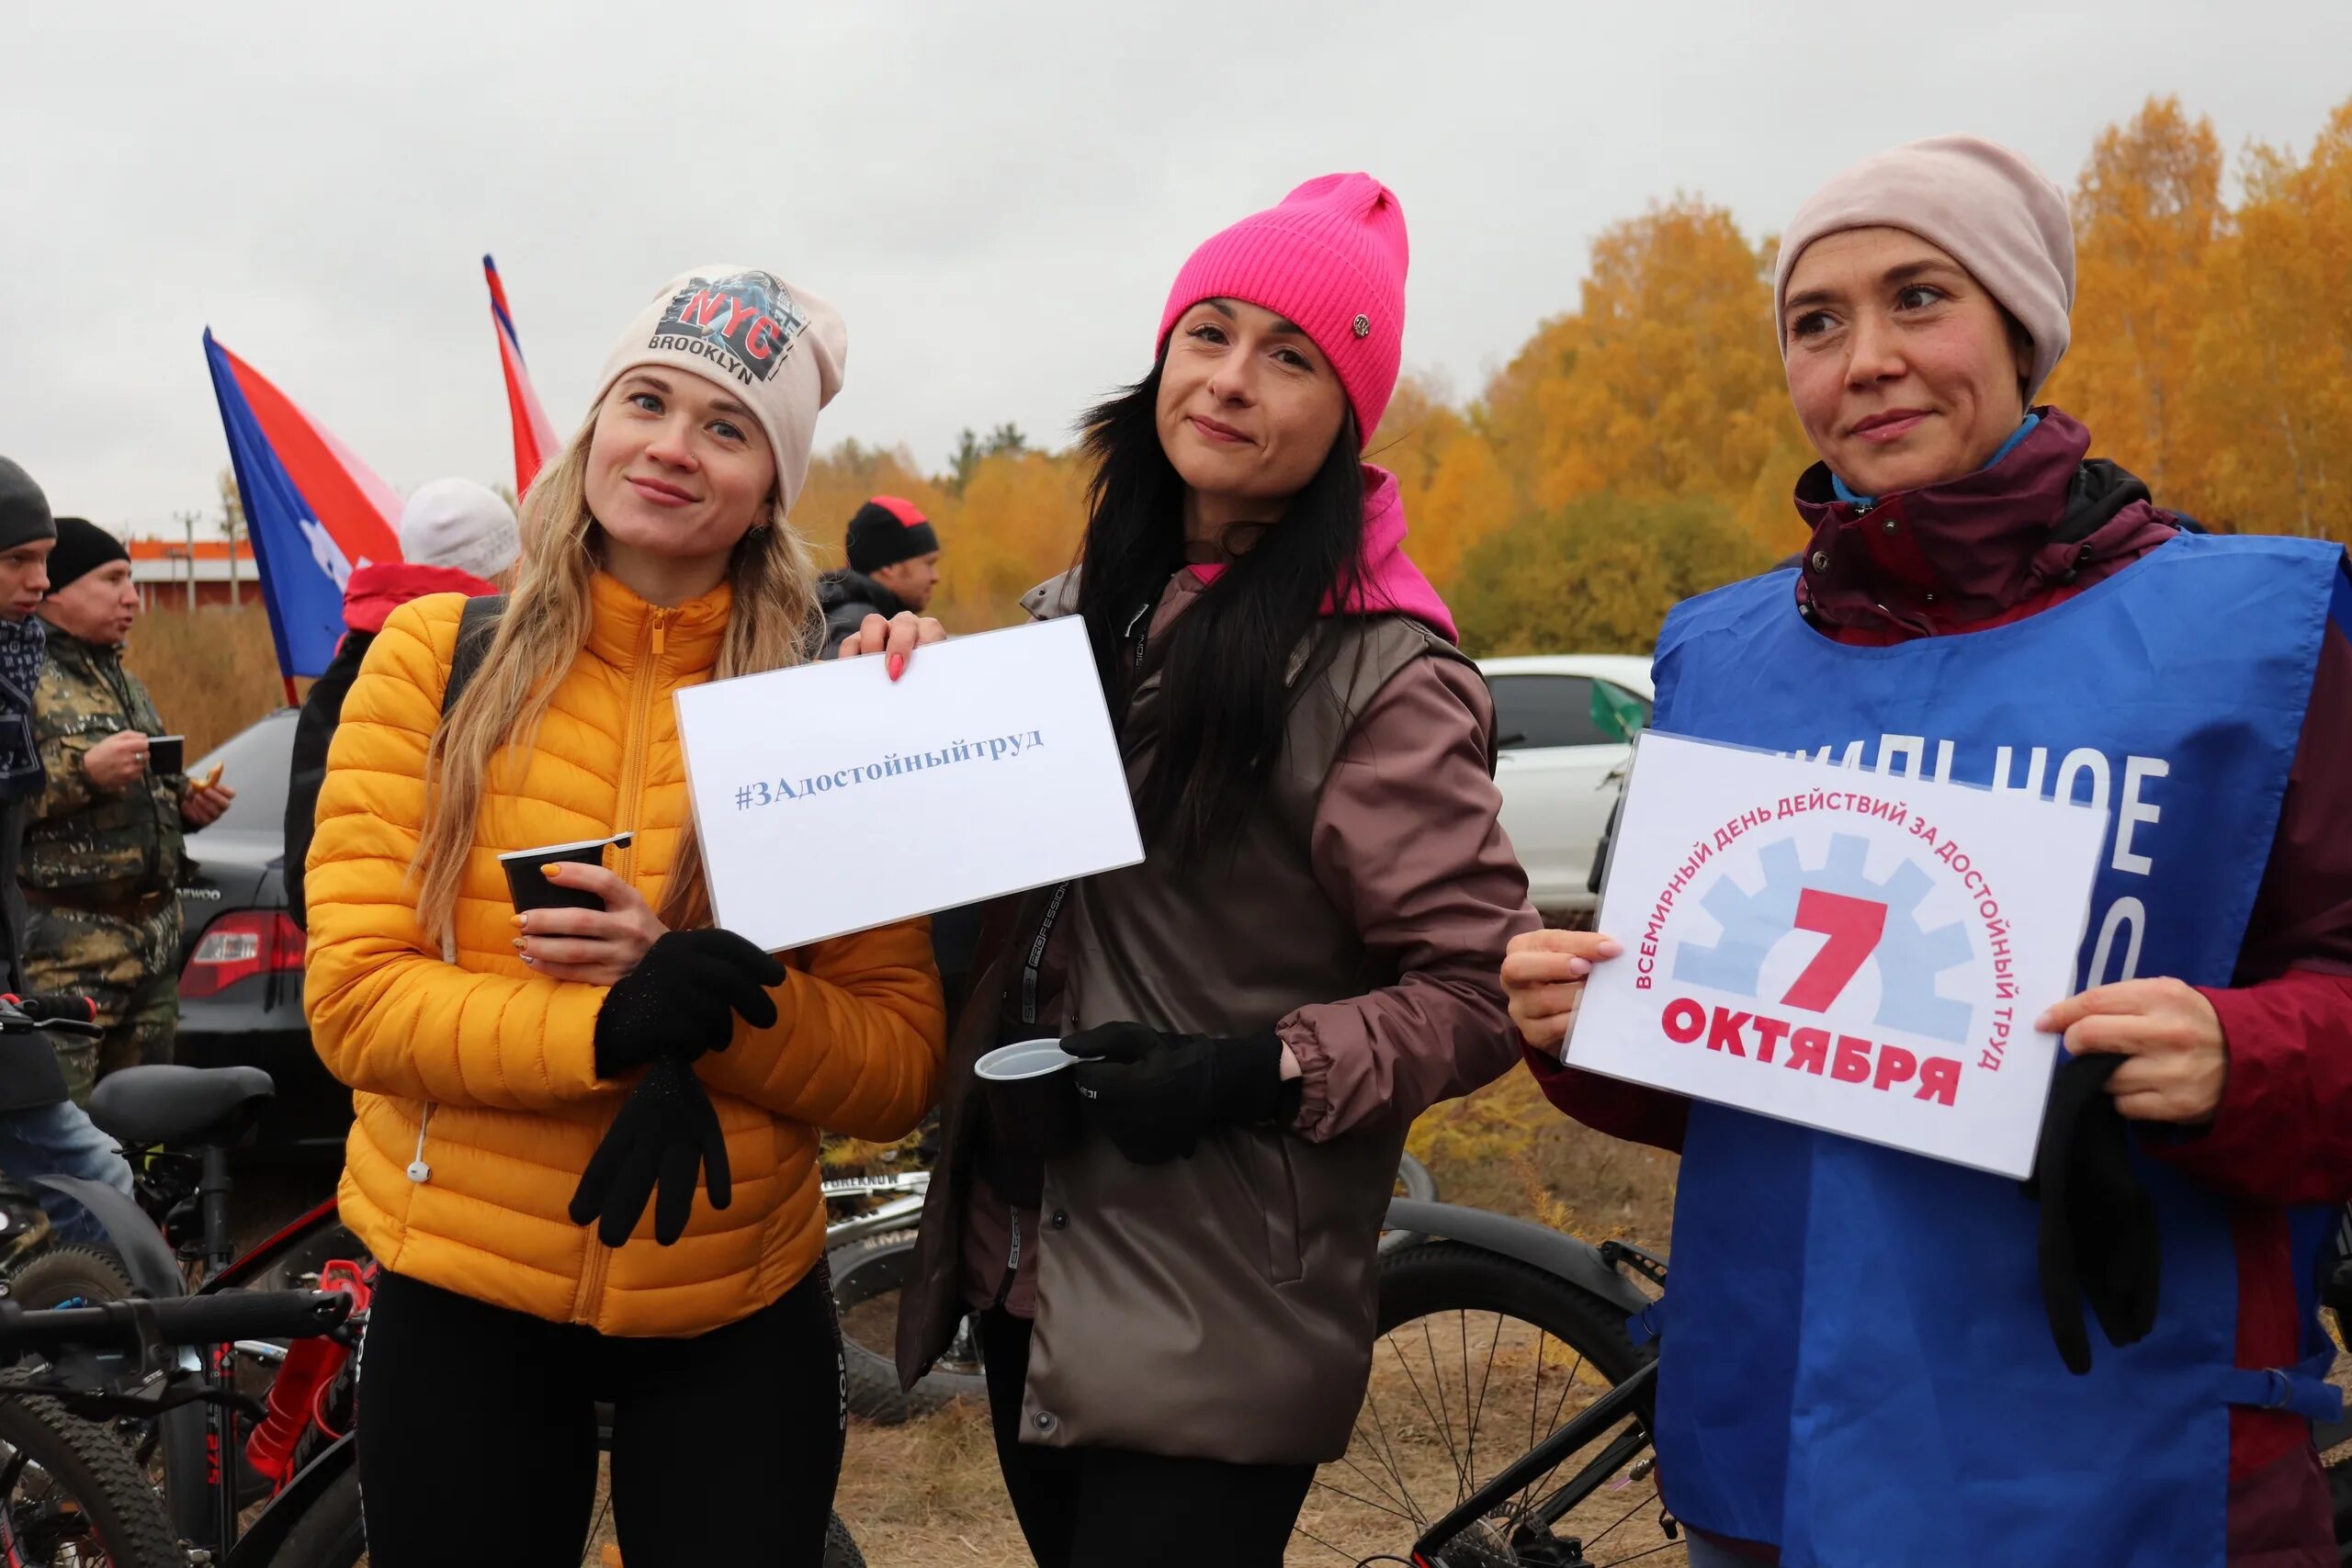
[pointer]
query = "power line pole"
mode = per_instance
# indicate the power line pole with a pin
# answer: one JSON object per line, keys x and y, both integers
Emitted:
{"x": 189, "y": 520}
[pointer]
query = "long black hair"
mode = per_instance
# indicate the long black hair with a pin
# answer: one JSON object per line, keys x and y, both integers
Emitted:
{"x": 1223, "y": 662}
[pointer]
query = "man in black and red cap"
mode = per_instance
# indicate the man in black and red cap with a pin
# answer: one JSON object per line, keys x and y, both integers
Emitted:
{"x": 893, "y": 566}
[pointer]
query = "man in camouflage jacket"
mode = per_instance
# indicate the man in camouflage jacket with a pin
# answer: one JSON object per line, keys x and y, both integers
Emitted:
{"x": 104, "y": 847}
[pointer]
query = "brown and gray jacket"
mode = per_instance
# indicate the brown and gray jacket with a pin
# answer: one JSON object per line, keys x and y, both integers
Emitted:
{"x": 1222, "y": 1305}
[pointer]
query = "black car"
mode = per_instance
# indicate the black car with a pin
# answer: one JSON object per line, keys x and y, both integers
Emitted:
{"x": 241, "y": 956}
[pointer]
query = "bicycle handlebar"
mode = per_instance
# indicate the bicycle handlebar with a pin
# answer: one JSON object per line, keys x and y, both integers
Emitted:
{"x": 60, "y": 1011}
{"x": 217, "y": 1319}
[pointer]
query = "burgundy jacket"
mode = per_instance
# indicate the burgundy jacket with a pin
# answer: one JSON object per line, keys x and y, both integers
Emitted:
{"x": 2009, "y": 542}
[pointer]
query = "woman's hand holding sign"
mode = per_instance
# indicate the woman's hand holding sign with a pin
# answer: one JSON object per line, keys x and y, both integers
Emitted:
{"x": 1543, "y": 976}
{"x": 897, "y": 637}
{"x": 2178, "y": 1060}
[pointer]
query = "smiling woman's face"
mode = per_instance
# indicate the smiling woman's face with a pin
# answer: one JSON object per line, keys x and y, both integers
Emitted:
{"x": 677, "y": 467}
{"x": 1904, "y": 370}
{"x": 1248, "y": 407}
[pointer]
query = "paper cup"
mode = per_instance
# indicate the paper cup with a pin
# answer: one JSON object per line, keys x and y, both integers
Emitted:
{"x": 527, "y": 881}
{"x": 1032, "y": 1102}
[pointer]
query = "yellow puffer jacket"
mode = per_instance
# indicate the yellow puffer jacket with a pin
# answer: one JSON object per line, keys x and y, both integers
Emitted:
{"x": 481, "y": 1074}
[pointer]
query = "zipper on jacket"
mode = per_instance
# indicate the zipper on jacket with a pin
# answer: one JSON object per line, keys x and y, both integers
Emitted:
{"x": 629, "y": 803}
{"x": 630, "y": 800}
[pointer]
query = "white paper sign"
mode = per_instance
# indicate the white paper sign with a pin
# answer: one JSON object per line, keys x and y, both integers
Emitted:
{"x": 830, "y": 800}
{"x": 1855, "y": 953}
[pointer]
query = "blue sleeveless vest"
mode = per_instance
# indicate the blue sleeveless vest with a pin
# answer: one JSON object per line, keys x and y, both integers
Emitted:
{"x": 1856, "y": 1366}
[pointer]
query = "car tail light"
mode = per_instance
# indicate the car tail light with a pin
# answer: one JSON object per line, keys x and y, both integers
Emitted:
{"x": 238, "y": 946}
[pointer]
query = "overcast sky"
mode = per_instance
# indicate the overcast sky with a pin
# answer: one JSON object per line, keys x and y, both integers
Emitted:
{"x": 996, "y": 195}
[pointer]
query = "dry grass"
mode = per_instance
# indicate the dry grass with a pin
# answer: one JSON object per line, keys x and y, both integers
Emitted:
{"x": 1507, "y": 1149}
{"x": 211, "y": 674}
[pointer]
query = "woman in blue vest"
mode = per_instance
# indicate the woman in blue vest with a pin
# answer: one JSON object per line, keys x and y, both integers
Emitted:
{"x": 1858, "y": 1365}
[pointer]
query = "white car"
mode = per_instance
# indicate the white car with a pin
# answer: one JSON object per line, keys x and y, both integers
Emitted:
{"x": 1558, "y": 752}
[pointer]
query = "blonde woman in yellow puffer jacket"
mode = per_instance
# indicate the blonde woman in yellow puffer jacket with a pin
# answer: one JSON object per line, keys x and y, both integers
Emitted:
{"x": 521, "y": 1084}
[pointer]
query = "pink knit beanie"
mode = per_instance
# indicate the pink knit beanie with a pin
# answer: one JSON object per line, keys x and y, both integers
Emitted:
{"x": 1331, "y": 259}
{"x": 1996, "y": 214}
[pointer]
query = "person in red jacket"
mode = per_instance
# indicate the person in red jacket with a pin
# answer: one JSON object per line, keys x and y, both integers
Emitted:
{"x": 1943, "y": 506}
{"x": 456, "y": 537}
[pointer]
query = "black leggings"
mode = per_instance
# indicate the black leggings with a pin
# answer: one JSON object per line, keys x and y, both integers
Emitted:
{"x": 478, "y": 1435}
{"x": 1116, "y": 1508}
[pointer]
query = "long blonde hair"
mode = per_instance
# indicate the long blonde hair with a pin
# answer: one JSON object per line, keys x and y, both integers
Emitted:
{"x": 545, "y": 626}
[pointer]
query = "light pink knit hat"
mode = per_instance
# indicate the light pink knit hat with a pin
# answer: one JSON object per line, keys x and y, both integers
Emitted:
{"x": 1995, "y": 213}
{"x": 1331, "y": 258}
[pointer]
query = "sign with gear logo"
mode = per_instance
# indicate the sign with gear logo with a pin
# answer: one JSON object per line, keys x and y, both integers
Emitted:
{"x": 1860, "y": 953}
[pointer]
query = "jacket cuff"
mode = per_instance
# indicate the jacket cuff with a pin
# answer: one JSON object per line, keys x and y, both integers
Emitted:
{"x": 1314, "y": 1082}
{"x": 1632, "y": 1112}
{"x": 2251, "y": 1085}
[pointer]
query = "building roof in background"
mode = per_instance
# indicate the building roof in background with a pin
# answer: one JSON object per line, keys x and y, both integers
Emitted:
{"x": 166, "y": 560}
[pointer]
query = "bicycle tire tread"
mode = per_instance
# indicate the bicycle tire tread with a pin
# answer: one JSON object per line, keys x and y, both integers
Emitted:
{"x": 1432, "y": 1276}
{"x": 331, "y": 1532}
{"x": 872, "y": 1377}
{"x": 98, "y": 1471}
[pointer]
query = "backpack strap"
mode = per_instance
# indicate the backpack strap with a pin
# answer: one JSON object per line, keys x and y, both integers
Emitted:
{"x": 476, "y": 627}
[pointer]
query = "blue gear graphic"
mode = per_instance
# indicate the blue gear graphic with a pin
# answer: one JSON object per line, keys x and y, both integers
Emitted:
{"x": 1908, "y": 958}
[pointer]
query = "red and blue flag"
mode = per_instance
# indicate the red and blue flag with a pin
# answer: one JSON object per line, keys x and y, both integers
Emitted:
{"x": 535, "y": 440}
{"x": 313, "y": 511}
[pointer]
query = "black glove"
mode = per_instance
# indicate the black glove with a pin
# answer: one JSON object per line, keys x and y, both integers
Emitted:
{"x": 2100, "y": 1241}
{"x": 1155, "y": 1094}
{"x": 665, "y": 1131}
{"x": 680, "y": 999}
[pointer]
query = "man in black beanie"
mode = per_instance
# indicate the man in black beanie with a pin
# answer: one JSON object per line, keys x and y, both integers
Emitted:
{"x": 105, "y": 844}
{"x": 43, "y": 1132}
{"x": 893, "y": 567}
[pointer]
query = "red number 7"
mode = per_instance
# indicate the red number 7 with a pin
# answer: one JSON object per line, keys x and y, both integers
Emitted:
{"x": 1853, "y": 927}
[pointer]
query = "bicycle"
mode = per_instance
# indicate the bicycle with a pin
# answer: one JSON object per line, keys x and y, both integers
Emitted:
{"x": 1505, "y": 1353}
{"x": 177, "y": 1241}
{"x": 1520, "y": 1301}
{"x": 70, "y": 1494}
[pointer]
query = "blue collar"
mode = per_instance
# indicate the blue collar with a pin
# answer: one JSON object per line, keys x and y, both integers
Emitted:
{"x": 2024, "y": 429}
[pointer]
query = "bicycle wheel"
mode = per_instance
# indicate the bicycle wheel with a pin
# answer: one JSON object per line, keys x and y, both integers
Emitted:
{"x": 329, "y": 1534}
{"x": 866, "y": 1278}
{"x": 69, "y": 1493}
{"x": 1480, "y": 1359}
{"x": 841, "y": 1547}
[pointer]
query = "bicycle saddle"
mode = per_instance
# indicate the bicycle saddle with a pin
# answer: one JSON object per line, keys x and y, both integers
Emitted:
{"x": 196, "y": 1106}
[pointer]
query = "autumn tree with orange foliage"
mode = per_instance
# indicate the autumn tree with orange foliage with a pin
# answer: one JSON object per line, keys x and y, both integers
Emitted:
{"x": 2212, "y": 350}
{"x": 2147, "y": 211}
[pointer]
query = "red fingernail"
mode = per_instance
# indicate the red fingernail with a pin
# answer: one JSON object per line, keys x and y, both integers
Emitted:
{"x": 898, "y": 662}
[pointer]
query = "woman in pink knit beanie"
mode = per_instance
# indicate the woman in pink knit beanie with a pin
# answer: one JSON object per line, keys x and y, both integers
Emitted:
{"x": 1176, "y": 1305}
{"x": 1873, "y": 1357}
